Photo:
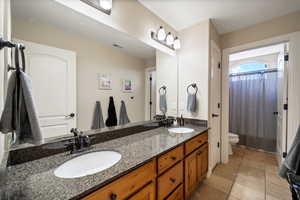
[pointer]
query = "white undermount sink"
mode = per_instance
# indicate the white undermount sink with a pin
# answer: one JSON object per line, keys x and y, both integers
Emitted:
{"x": 87, "y": 164}
{"x": 181, "y": 130}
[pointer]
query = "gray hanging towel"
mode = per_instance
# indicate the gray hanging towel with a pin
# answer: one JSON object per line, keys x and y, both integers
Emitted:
{"x": 123, "y": 119}
{"x": 112, "y": 116}
{"x": 292, "y": 160}
{"x": 21, "y": 118}
{"x": 163, "y": 103}
{"x": 191, "y": 102}
{"x": 98, "y": 121}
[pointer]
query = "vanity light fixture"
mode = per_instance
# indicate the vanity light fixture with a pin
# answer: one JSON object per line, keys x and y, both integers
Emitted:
{"x": 161, "y": 34}
{"x": 106, "y": 4}
{"x": 166, "y": 40}
{"x": 177, "y": 44}
{"x": 170, "y": 39}
{"x": 102, "y": 5}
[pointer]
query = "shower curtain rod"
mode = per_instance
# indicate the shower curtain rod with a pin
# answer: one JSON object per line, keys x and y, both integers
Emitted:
{"x": 254, "y": 72}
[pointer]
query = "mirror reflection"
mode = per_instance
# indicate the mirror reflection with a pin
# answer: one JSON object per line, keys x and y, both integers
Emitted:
{"x": 84, "y": 74}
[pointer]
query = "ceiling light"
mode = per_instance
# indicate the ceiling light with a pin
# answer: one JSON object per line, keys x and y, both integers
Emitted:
{"x": 106, "y": 4}
{"x": 170, "y": 39}
{"x": 177, "y": 44}
{"x": 161, "y": 34}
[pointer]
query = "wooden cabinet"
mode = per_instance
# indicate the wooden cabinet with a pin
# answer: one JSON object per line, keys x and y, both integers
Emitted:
{"x": 168, "y": 159}
{"x": 169, "y": 181}
{"x": 195, "y": 143}
{"x": 171, "y": 176}
{"x": 196, "y": 167}
{"x": 190, "y": 167}
{"x": 177, "y": 194}
{"x": 147, "y": 193}
{"x": 126, "y": 185}
{"x": 202, "y": 162}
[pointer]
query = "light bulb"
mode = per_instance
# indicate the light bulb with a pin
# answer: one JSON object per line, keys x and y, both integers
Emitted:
{"x": 106, "y": 4}
{"x": 170, "y": 39}
{"x": 177, "y": 44}
{"x": 161, "y": 34}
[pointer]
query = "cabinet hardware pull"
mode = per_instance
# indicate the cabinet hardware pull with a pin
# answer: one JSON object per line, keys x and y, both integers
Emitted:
{"x": 199, "y": 153}
{"x": 113, "y": 196}
{"x": 173, "y": 158}
{"x": 173, "y": 180}
{"x": 200, "y": 141}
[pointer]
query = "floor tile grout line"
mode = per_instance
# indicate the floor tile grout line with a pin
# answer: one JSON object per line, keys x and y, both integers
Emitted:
{"x": 234, "y": 180}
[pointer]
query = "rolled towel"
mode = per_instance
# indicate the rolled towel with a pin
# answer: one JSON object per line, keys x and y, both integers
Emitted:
{"x": 98, "y": 121}
{"x": 112, "y": 116}
{"x": 19, "y": 113}
{"x": 191, "y": 102}
{"x": 163, "y": 103}
{"x": 123, "y": 119}
{"x": 292, "y": 160}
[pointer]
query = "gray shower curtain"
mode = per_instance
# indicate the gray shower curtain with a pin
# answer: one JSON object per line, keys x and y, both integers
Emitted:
{"x": 253, "y": 101}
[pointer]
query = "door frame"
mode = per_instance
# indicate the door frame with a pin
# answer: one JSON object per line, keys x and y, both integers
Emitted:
{"x": 147, "y": 90}
{"x": 214, "y": 46}
{"x": 293, "y": 85}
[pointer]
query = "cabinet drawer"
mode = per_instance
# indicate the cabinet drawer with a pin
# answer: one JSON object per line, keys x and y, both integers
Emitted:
{"x": 168, "y": 159}
{"x": 147, "y": 193}
{"x": 195, "y": 143}
{"x": 126, "y": 185}
{"x": 177, "y": 194}
{"x": 170, "y": 180}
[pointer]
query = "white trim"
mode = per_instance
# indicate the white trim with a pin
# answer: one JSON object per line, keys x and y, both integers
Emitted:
{"x": 147, "y": 71}
{"x": 293, "y": 82}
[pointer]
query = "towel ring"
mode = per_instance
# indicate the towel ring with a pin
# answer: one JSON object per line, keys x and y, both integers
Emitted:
{"x": 194, "y": 85}
{"x": 164, "y": 88}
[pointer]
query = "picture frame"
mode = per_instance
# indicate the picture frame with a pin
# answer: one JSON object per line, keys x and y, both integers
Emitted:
{"x": 104, "y": 82}
{"x": 127, "y": 86}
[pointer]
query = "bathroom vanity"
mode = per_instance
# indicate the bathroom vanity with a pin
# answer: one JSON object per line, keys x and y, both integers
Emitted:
{"x": 155, "y": 164}
{"x": 170, "y": 176}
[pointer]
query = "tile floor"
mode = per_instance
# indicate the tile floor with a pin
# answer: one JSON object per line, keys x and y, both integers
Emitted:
{"x": 249, "y": 175}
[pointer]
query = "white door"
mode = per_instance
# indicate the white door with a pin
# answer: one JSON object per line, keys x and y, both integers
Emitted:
{"x": 215, "y": 105}
{"x": 53, "y": 75}
{"x": 282, "y": 100}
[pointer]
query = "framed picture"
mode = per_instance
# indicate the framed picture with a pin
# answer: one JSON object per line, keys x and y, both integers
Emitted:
{"x": 127, "y": 85}
{"x": 104, "y": 82}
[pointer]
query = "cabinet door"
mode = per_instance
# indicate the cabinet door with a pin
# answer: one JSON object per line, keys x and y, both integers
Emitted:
{"x": 190, "y": 173}
{"x": 202, "y": 162}
{"x": 147, "y": 193}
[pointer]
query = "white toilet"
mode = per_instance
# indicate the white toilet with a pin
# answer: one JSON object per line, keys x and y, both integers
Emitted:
{"x": 233, "y": 140}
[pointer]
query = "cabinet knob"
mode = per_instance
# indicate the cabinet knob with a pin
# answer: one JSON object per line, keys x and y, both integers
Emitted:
{"x": 199, "y": 153}
{"x": 113, "y": 196}
{"x": 173, "y": 158}
{"x": 173, "y": 180}
{"x": 199, "y": 141}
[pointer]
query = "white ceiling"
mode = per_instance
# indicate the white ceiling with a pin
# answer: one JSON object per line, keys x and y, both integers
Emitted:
{"x": 227, "y": 15}
{"x": 53, "y": 13}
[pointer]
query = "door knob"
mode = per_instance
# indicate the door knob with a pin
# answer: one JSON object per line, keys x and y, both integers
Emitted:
{"x": 215, "y": 115}
{"x": 71, "y": 115}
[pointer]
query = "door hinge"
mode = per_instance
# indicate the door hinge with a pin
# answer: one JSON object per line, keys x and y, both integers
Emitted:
{"x": 219, "y": 65}
{"x": 150, "y": 102}
{"x": 284, "y": 154}
{"x": 218, "y": 144}
{"x": 285, "y": 106}
{"x": 286, "y": 57}
{"x": 150, "y": 78}
{"x": 219, "y": 105}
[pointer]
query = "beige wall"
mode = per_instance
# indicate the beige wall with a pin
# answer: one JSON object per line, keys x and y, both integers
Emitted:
{"x": 213, "y": 34}
{"x": 194, "y": 68}
{"x": 92, "y": 58}
{"x": 128, "y": 16}
{"x": 275, "y": 27}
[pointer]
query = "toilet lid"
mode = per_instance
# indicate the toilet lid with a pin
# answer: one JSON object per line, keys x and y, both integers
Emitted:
{"x": 233, "y": 135}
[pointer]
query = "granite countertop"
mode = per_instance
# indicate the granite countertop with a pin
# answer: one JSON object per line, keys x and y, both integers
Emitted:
{"x": 36, "y": 179}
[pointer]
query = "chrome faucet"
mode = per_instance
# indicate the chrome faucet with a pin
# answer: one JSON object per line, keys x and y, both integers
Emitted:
{"x": 80, "y": 142}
